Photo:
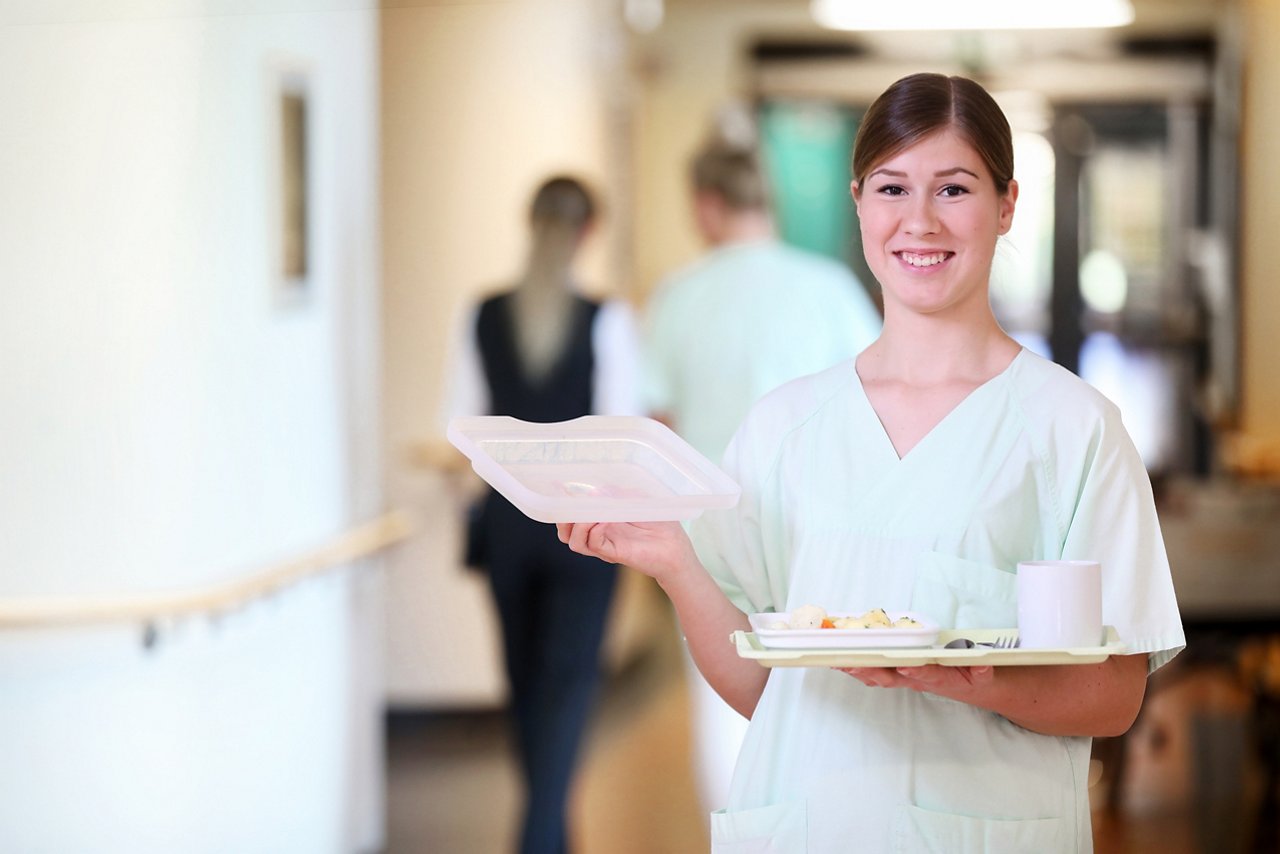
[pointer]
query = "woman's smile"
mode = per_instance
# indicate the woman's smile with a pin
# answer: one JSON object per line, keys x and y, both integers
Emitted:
{"x": 923, "y": 259}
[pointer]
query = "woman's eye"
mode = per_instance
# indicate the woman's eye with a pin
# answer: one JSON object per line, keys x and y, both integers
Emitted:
{"x": 892, "y": 190}
{"x": 953, "y": 190}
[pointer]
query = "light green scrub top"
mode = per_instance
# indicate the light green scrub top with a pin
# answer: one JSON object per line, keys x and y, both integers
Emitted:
{"x": 1034, "y": 464}
{"x": 741, "y": 321}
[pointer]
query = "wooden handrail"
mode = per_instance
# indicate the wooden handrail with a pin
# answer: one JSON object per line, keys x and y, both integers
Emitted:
{"x": 437, "y": 454}
{"x": 355, "y": 543}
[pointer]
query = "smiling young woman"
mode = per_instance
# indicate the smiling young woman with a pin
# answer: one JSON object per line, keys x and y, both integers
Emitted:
{"x": 930, "y": 217}
{"x": 916, "y": 477}
{"x": 933, "y": 183}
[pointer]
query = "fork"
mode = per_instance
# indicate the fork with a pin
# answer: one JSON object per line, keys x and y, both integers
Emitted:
{"x": 1006, "y": 642}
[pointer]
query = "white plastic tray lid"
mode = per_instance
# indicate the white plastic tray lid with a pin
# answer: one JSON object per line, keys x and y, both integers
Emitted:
{"x": 598, "y": 468}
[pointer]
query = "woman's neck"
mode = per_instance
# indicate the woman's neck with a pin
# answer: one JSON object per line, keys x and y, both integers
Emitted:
{"x": 930, "y": 350}
{"x": 742, "y": 227}
{"x": 549, "y": 266}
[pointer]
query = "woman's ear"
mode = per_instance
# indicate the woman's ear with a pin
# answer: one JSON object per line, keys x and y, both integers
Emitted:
{"x": 1007, "y": 203}
{"x": 853, "y": 191}
{"x": 585, "y": 231}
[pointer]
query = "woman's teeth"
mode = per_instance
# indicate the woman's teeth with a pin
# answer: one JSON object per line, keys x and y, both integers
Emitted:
{"x": 923, "y": 260}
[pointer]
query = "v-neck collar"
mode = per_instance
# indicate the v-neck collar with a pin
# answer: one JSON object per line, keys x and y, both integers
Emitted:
{"x": 964, "y": 403}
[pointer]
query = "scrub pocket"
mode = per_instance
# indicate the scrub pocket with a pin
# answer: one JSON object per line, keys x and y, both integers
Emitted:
{"x": 775, "y": 829}
{"x": 921, "y": 831}
{"x": 964, "y": 594}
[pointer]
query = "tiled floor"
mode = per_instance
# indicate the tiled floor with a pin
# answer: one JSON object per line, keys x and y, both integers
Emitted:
{"x": 1190, "y": 781}
{"x": 453, "y": 789}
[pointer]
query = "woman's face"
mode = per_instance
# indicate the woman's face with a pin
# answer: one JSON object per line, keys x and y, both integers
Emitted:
{"x": 930, "y": 217}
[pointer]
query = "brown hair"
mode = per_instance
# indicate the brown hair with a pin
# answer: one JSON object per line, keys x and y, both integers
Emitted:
{"x": 920, "y": 105}
{"x": 562, "y": 201}
{"x": 731, "y": 172}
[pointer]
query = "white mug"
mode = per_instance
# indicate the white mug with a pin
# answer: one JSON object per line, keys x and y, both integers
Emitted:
{"x": 1059, "y": 604}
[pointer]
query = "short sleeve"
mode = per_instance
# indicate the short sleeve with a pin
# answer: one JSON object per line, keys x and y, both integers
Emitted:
{"x": 466, "y": 392}
{"x": 615, "y": 341}
{"x": 1114, "y": 521}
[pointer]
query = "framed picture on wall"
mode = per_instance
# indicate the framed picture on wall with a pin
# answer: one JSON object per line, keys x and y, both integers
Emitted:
{"x": 289, "y": 199}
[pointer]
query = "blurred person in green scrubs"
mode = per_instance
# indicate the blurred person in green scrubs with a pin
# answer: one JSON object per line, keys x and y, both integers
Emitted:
{"x": 749, "y": 315}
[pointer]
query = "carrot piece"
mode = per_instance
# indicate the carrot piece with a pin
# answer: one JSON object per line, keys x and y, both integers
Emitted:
{"x": 827, "y": 624}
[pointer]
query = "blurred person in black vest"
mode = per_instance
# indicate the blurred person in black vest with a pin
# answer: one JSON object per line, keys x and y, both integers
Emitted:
{"x": 539, "y": 350}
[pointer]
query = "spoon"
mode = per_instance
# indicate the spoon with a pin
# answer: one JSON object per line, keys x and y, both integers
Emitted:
{"x": 965, "y": 643}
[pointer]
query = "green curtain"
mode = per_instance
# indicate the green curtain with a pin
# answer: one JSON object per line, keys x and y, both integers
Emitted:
{"x": 807, "y": 148}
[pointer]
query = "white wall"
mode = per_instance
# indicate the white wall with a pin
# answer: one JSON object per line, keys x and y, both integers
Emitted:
{"x": 166, "y": 423}
{"x": 481, "y": 101}
{"x": 693, "y": 65}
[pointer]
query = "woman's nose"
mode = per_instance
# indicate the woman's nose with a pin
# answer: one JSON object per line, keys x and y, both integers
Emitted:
{"x": 921, "y": 218}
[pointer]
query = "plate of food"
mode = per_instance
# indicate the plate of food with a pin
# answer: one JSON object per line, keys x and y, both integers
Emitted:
{"x": 597, "y": 468}
{"x": 811, "y": 627}
{"x": 980, "y": 650}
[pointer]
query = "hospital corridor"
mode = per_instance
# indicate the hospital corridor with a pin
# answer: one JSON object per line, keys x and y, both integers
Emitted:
{"x": 270, "y": 269}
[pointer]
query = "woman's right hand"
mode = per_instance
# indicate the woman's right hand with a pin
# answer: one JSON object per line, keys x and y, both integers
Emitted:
{"x": 657, "y": 549}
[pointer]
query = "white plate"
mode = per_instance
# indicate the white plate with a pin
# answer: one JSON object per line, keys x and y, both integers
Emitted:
{"x": 843, "y": 638}
{"x": 597, "y": 468}
{"x": 749, "y": 646}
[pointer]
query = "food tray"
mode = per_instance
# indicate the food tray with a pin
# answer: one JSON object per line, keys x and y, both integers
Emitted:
{"x": 924, "y": 636}
{"x": 749, "y": 646}
{"x": 597, "y": 468}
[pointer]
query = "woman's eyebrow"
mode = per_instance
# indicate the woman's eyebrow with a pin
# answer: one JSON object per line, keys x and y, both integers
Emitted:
{"x": 945, "y": 173}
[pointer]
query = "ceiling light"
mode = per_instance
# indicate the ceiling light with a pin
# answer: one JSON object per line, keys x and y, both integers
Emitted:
{"x": 972, "y": 15}
{"x": 644, "y": 16}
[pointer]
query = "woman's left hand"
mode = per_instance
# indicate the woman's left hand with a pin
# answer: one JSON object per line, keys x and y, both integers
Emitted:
{"x": 953, "y": 682}
{"x": 1100, "y": 699}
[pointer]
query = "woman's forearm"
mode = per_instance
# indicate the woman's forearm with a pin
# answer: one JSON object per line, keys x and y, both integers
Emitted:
{"x": 1089, "y": 700}
{"x": 707, "y": 619}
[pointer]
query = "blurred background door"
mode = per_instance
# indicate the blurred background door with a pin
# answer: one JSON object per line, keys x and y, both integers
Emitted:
{"x": 1110, "y": 268}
